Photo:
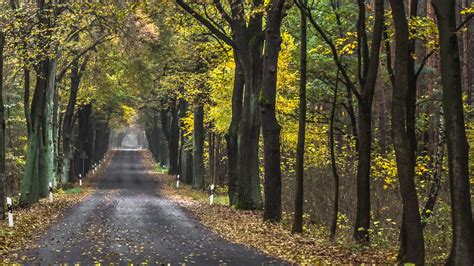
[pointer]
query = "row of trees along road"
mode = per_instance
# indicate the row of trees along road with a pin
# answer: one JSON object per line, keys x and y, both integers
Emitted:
{"x": 341, "y": 112}
{"x": 46, "y": 48}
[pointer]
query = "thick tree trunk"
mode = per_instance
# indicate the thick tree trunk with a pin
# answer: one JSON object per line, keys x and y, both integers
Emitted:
{"x": 412, "y": 242}
{"x": 47, "y": 166}
{"x": 270, "y": 127}
{"x": 249, "y": 40}
{"x": 249, "y": 196}
{"x": 462, "y": 250}
{"x": 198, "y": 147}
{"x": 299, "y": 192}
{"x": 39, "y": 169}
{"x": 250, "y": 57}
{"x": 31, "y": 183}
{"x": 231, "y": 137}
{"x": 68, "y": 124}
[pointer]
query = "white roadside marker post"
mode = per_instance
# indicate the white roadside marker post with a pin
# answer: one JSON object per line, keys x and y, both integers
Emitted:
{"x": 50, "y": 192}
{"x": 211, "y": 193}
{"x": 10, "y": 211}
{"x": 80, "y": 180}
{"x": 177, "y": 181}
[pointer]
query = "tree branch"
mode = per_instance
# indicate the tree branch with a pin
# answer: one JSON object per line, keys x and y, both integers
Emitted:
{"x": 468, "y": 18}
{"x": 221, "y": 10}
{"x": 331, "y": 45}
{"x": 60, "y": 76}
{"x": 221, "y": 35}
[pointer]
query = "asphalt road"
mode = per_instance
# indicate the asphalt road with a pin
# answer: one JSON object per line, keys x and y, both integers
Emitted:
{"x": 127, "y": 221}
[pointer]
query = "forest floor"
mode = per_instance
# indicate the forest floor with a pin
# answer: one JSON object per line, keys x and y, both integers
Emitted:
{"x": 248, "y": 228}
{"x": 31, "y": 221}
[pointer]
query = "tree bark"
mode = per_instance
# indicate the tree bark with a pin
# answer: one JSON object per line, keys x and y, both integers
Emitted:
{"x": 333, "y": 163}
{"x": 231, "y": 137}
{"x": 68, "y": 121}
{"x": 247, "y": 43}
{"x": 270, "y": 127}
{"x": 370, "y": 66}
{"x": 299, "y": 184}
{"x": 412, "y": 242}
{"x": 47, "y": 166}
{"x": 30, "y": 185}
{"x": 198, "y": 147}
{"x": 3, "y": 183}
{"x": 462, "y": 250}
{"x": 173, "y": 142}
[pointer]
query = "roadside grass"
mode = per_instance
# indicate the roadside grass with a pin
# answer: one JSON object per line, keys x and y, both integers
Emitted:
{"x": 74, "y": 190}
{"x": 198, "y": 195}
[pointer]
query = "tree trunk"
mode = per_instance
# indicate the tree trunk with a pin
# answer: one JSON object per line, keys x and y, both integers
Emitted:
{"x": 370, "y": 70}
{"x": 435, "y": 182}
{"x": 231, "y": 137}
{"x": 333, "y": 163}
{"x": 249, "y": 46}
{"x": 3, "y": 184}
{"x": 299, "y": 192}
{"x": 47, "y": 166}
{"x": 85, "y": 140}
{"x": 412, "y": 244}
{"x": 30, "y": 185}
{"x": 68, "y": 124}
{"x": 198, "y": 147}
{"x": 173, "y": 142}
{"x": 270, "y": 127}
{"x": 250, "y": 56}
{"x": 462, "y": 250}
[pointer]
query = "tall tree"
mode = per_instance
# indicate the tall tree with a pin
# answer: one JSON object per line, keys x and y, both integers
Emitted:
{"x": 367, "y": 69}
{"x": 247, "y": 43}
{"x": 403, "y": 132}
{"x": 2, "y": 133}
{"x": 270, "y": 127}
{"x": 231, "y": 136}
{"x": 198, "y": 145}
{"x": 68, "y": 120}
{"x": 332, "y": 152}
{"x": 462, "y": 250}
{"x": 299, "y": 192}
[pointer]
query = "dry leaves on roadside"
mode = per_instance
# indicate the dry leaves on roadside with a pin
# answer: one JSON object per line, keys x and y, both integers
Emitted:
{"x": 31, "y": 221}
{"x": 248, "y": 228}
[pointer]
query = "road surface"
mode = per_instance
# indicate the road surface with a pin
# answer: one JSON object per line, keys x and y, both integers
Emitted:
{"x": 126, "y": 220}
